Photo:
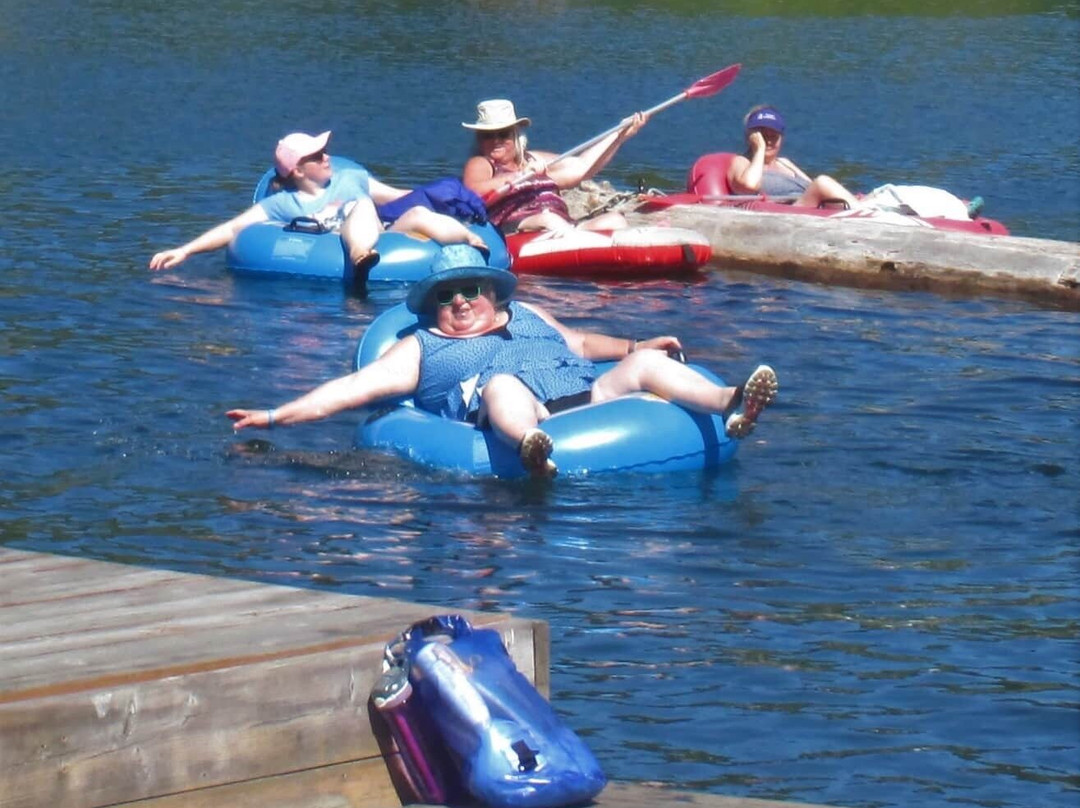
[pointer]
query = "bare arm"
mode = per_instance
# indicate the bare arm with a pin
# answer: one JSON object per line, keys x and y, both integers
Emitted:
{"x": 572, "y": 171}
{"x": 599, "y": 347}
{"x": 745, "y": 174}
{"x": 213, "y": 239}
{"x": 381, "y": 193}
{"x": 395, "y": 373}
{"x": 479, "y": 177}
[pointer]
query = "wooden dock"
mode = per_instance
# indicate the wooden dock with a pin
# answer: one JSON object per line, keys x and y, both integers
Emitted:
{"x": 124, "y": 685}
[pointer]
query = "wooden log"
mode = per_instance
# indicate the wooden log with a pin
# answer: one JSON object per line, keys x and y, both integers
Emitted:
{"x": 869, "y": 254}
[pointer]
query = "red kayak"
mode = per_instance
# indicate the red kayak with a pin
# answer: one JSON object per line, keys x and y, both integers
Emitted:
{"x": 637, "y": 252}
{"x": 707, "y": 184}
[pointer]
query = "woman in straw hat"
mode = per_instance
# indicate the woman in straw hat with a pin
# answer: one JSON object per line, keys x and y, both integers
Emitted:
{"x": 501, "y": 157}
{"x": 479, "y": 356}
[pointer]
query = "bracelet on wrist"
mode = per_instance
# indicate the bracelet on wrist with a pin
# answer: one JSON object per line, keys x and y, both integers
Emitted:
{"x": 269, "y": 419}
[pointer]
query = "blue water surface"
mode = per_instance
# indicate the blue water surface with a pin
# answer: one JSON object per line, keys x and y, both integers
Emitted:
{"x": 876, "y": 604}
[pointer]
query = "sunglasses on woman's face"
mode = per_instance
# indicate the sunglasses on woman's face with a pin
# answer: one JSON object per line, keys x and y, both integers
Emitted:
{"x": 444, "y": 297}
{"x": 502, "y": 134}
{"x": 317, "y": 157}
{"x": 770, "y": 135}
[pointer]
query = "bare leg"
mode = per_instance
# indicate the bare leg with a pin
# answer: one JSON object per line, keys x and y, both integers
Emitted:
{"x": 657, "y": 373}
{"x": 824, "y": 189}
{"x": 611, "y": 220}
{"x": 440, "y": 227}
{"x": 510, "y": 407}
{"x": 544, "y": 220}
{"x": 361, "y": 230}
{"x": 513, "y": 413}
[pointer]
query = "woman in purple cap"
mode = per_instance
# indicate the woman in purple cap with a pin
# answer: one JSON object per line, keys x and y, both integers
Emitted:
{"x": 763, "y": 171}
{"x": 343, "y": 200}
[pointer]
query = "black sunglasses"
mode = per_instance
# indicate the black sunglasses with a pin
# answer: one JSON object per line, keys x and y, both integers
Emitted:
{"x": 444, "y": 297}
{"x": 316, "y": 157}
{"x": 501, "y": 134}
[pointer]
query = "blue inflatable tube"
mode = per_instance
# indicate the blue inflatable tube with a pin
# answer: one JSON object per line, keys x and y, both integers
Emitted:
{"x": 636, "y": 433}
{"x": 303, "y": 249}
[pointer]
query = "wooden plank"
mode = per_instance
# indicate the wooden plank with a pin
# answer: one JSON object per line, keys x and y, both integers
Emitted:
{"x": 645, "y": 795}
{"x": 161, "y": 623}
{"x": 347, "y": 785}
{"x": 167, "y": 735}
{"x": 31, "y": 578}
{"x": 655, "y": 795}
{"x": 214, "y": 683}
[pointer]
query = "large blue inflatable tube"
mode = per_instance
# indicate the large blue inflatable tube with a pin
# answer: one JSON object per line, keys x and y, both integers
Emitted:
{"x": 637, "y": 433}
{"x": 301, "y": 249}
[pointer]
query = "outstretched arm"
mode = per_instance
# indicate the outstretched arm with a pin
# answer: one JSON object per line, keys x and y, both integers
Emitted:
{"x": 395, "y": 373}
{"x": 572, "y": 171}
{"x": 599, "y": 347}
{"x": 212, "y": 239}
{"x": 381, "y": 193}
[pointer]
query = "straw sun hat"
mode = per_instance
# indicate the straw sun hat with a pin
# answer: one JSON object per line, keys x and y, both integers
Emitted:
{"x": 495, "y": 114}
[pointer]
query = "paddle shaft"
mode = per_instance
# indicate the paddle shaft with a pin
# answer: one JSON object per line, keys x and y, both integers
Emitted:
{"x": 594, "y": 140}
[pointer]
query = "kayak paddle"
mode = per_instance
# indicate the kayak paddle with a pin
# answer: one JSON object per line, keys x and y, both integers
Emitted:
{"x": 702, "y": 88}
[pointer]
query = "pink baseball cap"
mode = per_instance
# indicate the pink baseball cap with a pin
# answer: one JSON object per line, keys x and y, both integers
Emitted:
{"x": 293, "y": 148}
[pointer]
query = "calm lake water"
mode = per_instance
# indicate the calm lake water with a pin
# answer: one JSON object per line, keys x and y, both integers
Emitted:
{"x": 875, "y": 605}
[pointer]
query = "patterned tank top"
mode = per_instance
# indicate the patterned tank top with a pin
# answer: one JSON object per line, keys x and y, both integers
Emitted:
{"x": 453, "y": 371}
{"x": 531, "y": 197}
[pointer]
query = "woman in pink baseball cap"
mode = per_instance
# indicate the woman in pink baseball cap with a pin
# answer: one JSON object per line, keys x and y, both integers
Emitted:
{"x": 343, "y": 200}
{"x": 761, "y": 170}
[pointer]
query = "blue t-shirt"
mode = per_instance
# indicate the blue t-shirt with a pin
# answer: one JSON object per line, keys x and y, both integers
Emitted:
{"x": 346, "y": 185}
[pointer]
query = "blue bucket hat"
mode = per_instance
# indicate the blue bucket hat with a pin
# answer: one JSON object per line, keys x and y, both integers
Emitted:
{"x": 765, "y": 118}
{"x": 456, "y": 262}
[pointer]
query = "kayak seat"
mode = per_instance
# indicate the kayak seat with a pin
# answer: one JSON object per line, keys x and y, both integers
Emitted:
{"x": 708, "y": 176}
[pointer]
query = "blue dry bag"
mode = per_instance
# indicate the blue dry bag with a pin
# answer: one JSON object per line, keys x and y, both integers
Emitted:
{"x": 509, "y": 747}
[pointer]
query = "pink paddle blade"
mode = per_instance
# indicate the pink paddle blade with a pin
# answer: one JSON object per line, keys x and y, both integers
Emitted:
{"x": 714, "y": 83}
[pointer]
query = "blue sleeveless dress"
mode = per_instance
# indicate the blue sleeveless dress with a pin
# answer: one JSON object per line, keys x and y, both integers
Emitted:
{"x": 452, "y": 371}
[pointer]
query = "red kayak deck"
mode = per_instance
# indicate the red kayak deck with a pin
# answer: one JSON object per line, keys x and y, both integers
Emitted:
{"x": 637, "y": 252}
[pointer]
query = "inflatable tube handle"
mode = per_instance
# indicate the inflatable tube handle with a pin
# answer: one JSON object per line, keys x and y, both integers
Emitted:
{"x": 306, "y": 224}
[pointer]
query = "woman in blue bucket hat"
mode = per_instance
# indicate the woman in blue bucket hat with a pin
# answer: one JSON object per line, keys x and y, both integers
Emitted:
{"x": 481, "y": 357}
